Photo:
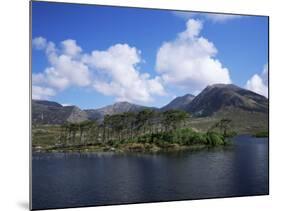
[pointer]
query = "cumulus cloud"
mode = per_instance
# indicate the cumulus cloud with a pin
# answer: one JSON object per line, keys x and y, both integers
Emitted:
{"x": 64, "y": 70}
{"x": 189, "y": 60}
{"x": 119, "y": 76}
{"x": 42, "y": 93}
{"x": 113, "y": 72}
{"x": 39, "y": 43}
{"x": 70, "y": 48}
{"x": 214, "y": 17}
{"x": 259, "y": 82}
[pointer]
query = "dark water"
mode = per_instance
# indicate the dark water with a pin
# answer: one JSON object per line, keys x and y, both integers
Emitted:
{"x": 69, "y": 180}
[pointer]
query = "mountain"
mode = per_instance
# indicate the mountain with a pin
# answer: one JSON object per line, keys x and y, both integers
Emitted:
{"x": 179, "y": 103}
{"x": 48, "y": 112}
{"x": 75, "y": 114}
{"x": 116, "y": 108}
{"x": 247, "y": 110}
{"x": 219, "y": 97}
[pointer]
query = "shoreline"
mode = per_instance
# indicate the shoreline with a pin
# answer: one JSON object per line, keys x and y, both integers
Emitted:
{"x": 125, "y": 148}
{"x": 130, "y": 147}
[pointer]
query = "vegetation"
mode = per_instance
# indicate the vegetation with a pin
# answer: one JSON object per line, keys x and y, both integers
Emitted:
{"x": 262, "y": 134}
{"x": 147, "y": 130}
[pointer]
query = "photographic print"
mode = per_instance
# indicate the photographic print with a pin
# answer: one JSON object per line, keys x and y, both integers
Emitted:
{"x": 135, "y": 105}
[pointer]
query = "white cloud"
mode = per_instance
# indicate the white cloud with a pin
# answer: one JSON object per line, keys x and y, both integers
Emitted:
{"x": 221, "y": 17}
{"x": 119, "y": 75}
{"x": 66, "y": 104}
{"x": 112, "y": 72}
{"x": 189, "y": 60}
{"x": 40, "y": 93}
{"x": 259, "y": 82}
{"x": 194, "y": 28}
{"x": 214, "y": 17}
{"x": 64, "y": 70}
{"x": 39, "y": 43}
{"x": 70, "y": 48}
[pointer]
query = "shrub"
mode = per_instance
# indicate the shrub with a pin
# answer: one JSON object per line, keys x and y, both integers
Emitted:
{"x": 261, "y": 134}
{"x": 215, "y": 139}
{"x": 199, "y": 138}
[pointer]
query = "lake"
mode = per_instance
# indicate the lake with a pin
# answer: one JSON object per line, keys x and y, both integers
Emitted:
{"x": 72, "y": 179}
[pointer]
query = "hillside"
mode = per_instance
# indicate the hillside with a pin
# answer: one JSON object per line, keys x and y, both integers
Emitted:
{"x": 179, "y": 103}
{"x": 219, "y": 97}
{"x": 116, "y": 108}
{"x": 48, "y": 112}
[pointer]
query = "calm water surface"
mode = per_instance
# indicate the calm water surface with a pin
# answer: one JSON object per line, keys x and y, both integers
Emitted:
{"x": 69, "y": 180}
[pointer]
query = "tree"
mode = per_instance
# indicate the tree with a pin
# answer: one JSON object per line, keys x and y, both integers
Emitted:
{"x": 129, "y": 119}
{"x": 142, "y": 119}
{"x": 173, "y": 119}
{"x": 84, "y": 128}
{"x": 117, "y": 124}
{"x": 93, "y": 132}
{"x": 106, "y": 125}
{"x": 223, "y": 126}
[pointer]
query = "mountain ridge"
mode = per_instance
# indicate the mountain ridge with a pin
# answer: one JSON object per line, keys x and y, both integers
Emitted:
{"x": 50, "y": 112}
{"x": 116, "y": 108}
{"x": 220, "y": 96}
{"x": 179, "y": 102}
{"x": 211, "y": 100}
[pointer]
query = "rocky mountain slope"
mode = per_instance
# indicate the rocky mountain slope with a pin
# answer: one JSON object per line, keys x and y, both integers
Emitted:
{"x": 219, "y": 97}
{"x": 116, "y": 108}
{"x": 48, "y": 112}
{"x": 179, "y": 103}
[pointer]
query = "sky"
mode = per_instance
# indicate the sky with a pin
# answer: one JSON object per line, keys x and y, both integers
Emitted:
{"x": 92, "y": 56}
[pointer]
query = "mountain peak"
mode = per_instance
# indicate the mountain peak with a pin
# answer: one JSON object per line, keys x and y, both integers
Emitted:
{"x": 217, "y": 97}
{"x": 179, "y": 103}
{"x": 122, "y": 103}
{"x": 116, "y": 108}
{"x": 221, "y": 85}
{"x": 188, "y": 95}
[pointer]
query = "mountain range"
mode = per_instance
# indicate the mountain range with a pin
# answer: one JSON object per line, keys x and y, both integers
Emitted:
{"x": 48, "y": 112}
{"x": 116, "y": 108}
{"x": 217, "y": 99}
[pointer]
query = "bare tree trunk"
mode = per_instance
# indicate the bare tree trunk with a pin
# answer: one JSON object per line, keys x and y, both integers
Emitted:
{"x": 81, "y": 133}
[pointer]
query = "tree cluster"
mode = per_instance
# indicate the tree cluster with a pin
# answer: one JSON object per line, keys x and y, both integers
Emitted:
{"x": 147, "y": 126}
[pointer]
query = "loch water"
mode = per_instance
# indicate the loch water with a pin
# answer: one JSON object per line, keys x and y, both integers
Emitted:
{"x": 90, "y": 179}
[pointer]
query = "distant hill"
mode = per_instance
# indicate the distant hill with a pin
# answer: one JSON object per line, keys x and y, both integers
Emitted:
{"x": 116, "y": 108}
{"x": 48, "y": 112}
{"x": 247, "y": 110}
{"x": 219, "y": 97}
{"x": 179, "y": 103}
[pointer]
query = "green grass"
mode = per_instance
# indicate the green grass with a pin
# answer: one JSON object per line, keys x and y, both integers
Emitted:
{"x": 243, "y": 122}
{"x": 45, "y": 135}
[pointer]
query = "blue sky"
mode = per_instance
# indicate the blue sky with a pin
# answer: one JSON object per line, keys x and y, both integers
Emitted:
{"x": 144, "y": 46}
